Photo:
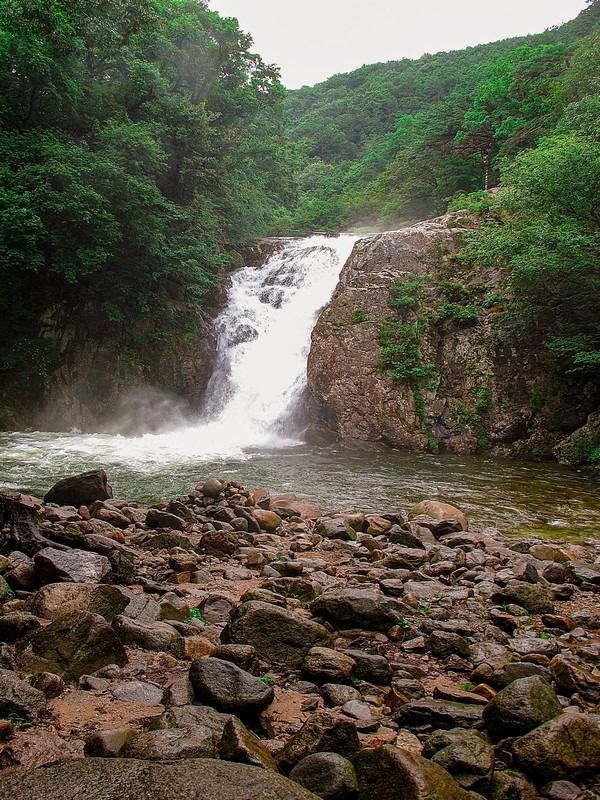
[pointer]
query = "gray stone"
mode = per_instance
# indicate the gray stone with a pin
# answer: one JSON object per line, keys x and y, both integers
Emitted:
{"x": 137, "y": 692}
{"x": 511, "y": 784}
{"x": 74, "y": 566}
{"x": 389, "y": 773}
{"x": 80, "y": 490}
{"x": 211, "y": 487}
{"x": 19, "y": 697}
{"x": 241, "y": 745}
{"x": 436, "y": 714}
{"x": 521, "y": 706}
{"x": 73, "y": 645}
{"x": 323, "y": 732}
{"x": 56, "y": 599}
{"x": 370, "y": 667}
{"x": 564, "y": 747}
{"x": 17, "y": 624}
{"x": 533, "y": 598}
{"x": 322, "y": 665}
{"x": 328, "y": 775}
{"x": 335, "y": 528}
{"x": 226, "y": 687}
{"x": 147, "y": 635}
{"x": 278, "y": 636}
{"x": 336, "y": 694}
{"x": 465, "y": 754}
{"x": 172, "y": 744}
{"x": 109, "y": 743}
{"x": 570, "y": 677}
{"x": 108, "y": 779}
{"x": 162, "y": 519}
{"x": 443, "y": 644}
{"x": 357, "y": 608}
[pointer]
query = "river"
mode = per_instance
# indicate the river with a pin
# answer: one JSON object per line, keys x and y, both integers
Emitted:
{"x": 250, "y": 432}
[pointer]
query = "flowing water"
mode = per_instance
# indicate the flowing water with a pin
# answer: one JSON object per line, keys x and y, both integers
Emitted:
{"x": 250, "y": 430}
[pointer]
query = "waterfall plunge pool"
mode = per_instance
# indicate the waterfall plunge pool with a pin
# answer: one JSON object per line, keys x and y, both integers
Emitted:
{"x": 251, "y": 435}
{"x": 524, "y": 498}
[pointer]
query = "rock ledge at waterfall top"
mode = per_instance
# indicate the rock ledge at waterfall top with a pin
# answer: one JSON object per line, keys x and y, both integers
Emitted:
{"x": 485, "y": 388}
{"x": 419, "y": 657}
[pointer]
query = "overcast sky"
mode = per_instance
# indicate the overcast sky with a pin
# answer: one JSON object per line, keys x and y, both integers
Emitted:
{"x": 310, "y": 40}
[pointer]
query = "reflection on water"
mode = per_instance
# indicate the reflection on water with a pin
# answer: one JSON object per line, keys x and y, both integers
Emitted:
{"x": 545, "y": 499}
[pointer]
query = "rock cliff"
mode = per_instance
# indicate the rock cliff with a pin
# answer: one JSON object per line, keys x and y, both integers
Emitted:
{"x": 414, "y": 352}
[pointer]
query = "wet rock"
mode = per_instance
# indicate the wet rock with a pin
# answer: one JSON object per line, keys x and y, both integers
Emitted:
{"x": 226, "y": 687}
{"x": 241, "y": 745}
{"x": 268, "y": 520}
{"x": 137, "y": 692}
{"x": 147, "y": 635}
{"x": 18, "y": 697}
{"x": 328, "y": 775}
{"x": 362, "y": 608}
{"x": 155, "y": 518}
{"x": 370, "y": 667}
{"x": 75, "y": 566}
{"x": 337, "y": 694}
{"x": 322, "y": 664}
{"x": 323, "y": 732}
{"x": 109, "y": 743}
{"x": 80, "y": 490}
{"x": 466, "y": 755}
{"x": 434, "y": 714}
{"x": 564, "y": 747}
{"x": 571, "y": 677}
{"x": 385, "y": 772}
{"x": 56, "y": 599}
{"x": 521, "y": 706}
{"x": 73, "y": 645}
{"x": 219, "y": 543}
{"x": 335, "y": 528}
{"x": 439, "y": 511}
{"x": 172, "y": 744}
{"x": 278, "y": 636}
{"x": 510, "y": 784}
{"x": 50, "y": 684}
{"x": 442, "y": 645}
{"x": 211, "y": 487}
{"x": 17, "y": 624}
{"x": 193, "y": 779}
{"x": 533, "y": 598}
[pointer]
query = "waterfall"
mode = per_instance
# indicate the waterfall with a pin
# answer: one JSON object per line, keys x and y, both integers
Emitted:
{"x": 264, "y": 339}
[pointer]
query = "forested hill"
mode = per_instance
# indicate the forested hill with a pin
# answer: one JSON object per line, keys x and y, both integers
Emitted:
{"x": 394, "y": 142}
{"x": 140, "y": 147}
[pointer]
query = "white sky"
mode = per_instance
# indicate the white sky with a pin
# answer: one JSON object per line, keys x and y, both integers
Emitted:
{"x": 311, "y": 40}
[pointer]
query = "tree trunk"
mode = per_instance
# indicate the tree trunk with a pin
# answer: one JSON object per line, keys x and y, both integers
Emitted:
{"x": 19, "y": 530}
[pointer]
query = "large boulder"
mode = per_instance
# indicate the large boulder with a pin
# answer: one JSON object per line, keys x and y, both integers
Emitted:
{"x": 55, "y": 599}
{"x": 521, "y": 706}
{"x": 357, "y": 608}
{"x": 434, "y": 509}
{"x": 323, "y": 732}
{"x": 226, "y": 687}
{"x": 438, "y": 715}
{"x": 73, "y": 645}
{"x": 132, "y": 779}
{"x": 73, "y": 566}
{"x": 80, "y": 490}
{"x": 278, "y": 636}
{"x": 389, "y": 773}
{"x": 565, "y": 747}
{"x": 328, "y": 775}
{"x": 18, "y": 697}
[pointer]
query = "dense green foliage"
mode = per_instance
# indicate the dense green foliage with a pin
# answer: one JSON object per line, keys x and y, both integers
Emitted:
{"x": 543, "y": 229}
{"x": 395, "y": 142}
{"x": 140, "y": 146}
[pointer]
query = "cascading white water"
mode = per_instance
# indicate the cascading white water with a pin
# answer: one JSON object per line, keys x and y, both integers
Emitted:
{"x": 264, "y": 339}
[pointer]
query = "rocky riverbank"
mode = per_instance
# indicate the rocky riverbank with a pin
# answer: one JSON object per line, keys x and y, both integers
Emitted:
{"x": 237, "y": 645}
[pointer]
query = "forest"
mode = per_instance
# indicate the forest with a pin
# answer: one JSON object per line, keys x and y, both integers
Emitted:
{"x": 144, "y": 144}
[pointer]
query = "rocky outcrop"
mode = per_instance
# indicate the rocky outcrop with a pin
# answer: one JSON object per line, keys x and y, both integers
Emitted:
{"x": 410, "y": 353}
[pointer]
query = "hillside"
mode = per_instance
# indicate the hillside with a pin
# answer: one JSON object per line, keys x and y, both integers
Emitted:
{"x": 393, "y": 142}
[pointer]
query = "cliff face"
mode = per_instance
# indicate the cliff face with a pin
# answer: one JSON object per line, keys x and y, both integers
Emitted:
{"x": 410, "y": 353}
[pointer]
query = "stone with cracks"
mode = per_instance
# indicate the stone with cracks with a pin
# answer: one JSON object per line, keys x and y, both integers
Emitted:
{"x": 357, "y": 608}
{"x": 521, "y": 706}
{"x": 72, "y": 566}
{"x": 80, "y": 490}
{"x": 278, "y": 636}
{"x": 125, "y": 779}
{"x": 226, "y": 687}
{"x": 323, "y": 732}
{"x": 75, "y": 644}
